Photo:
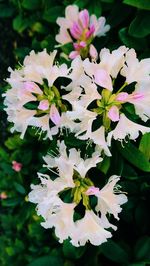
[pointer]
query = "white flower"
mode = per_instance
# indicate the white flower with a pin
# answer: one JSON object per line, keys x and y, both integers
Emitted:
{"x": 126, "y": 127}
{"x": 136, "y": 70}
{"x": 55, "y": 212}
{"x": 111, "y": 62}
{"x": 89, "y": 228}
{"x": 32, "y": 101}
{"x": 71, "y": 177}
{"x": 108, "y": 199}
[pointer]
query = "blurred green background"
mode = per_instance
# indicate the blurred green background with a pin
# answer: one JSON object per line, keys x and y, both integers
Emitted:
{"x": 30, "y": 24}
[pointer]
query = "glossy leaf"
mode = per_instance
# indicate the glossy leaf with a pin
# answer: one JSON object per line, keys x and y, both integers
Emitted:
{"x": 140, "y": 26}
{"x": 142, "y": 4}
{"x": 144, "y": 146}
{"x": 134, "y": 156}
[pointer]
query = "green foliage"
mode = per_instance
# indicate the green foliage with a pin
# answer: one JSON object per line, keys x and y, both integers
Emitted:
{"x": 143, "y": 4}
{"x": 135, "y": 157}
{"x": 31, "y": 24}
{"x": 140, "y": 26}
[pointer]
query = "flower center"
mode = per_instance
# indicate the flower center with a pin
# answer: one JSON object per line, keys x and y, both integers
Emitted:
{"x": 46, "y": 97}
{"x": 108, "y": 106}
{"x": 49, "y": 97}
{"x": 79, "y": 191}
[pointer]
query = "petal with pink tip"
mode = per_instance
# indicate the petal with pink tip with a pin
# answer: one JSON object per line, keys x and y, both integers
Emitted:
{"x": 103, "y": 79}
{"x": 84, "y": 18}
{"x": 113, "y": 113}
{"x": 54, "y": 115}
{"x": 32, "y": 87}
{"x": 92, "y": 191}
{"x": 122, "y": 97}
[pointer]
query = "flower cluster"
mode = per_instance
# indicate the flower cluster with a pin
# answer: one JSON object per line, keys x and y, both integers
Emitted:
{"x": 33, "y": 100}
{"x": 95, "y": 101}
{"x": 74, "y": 185}
{"x": 103, "y": 102}
{"x": 80, "y": 29}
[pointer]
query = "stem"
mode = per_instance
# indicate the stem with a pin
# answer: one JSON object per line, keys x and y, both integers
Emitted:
{"x": 124, "y": 85}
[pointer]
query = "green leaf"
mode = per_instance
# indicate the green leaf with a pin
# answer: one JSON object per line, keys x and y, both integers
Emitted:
{"x": 53, "y": 13}
{"x": 143, "y": 4}
{"x": 14, "y": 142}
{"x": 6, "y": 10}
{"x": 142, "y": 249}
{"x": 129, "y": 172}
{"x": 118, "y": 14}
{"x": 114, "y": 252}
{"x": 19, "y": 188}
{"x": 4, "y": 155}
{"x": 134, "y": 156}
{"x": 104, "y": 165}
{"x": 31, "y": 4}
{"x": 140, "y": 26}
{"x": 132, "y": 42}
{"x": 11, "y": 202}
{"x": 144, "y": 146}
{"x": 47, "y": 261}
{"x": 48, "y": 43}
{"x": 95, "y": 8}
{"x": 72, "y": 252}
{"x": 108, "y": 1}
{"x": 81, "y": 4}
{"x": 20, "y": 23}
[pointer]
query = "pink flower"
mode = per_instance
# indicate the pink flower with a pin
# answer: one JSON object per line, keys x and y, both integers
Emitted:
{"x": 3, "y": 195}
{"x": 81, "y": 27}
{"x": 16, "y": 166}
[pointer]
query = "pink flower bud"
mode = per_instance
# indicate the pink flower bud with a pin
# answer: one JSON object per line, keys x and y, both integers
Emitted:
{"x": 76, "y": 30}
{"x": 90, "y": 32}
{"x": 93, "y": 52}
{"x": 43, "y": 105}
{"x": 103, "y": 79}
{"x": 3, "y": 195}
{"x": 54, "y": 115}
{"x": 122, "y": 96}
{"x": 84, "y": 18}
{"x": 113, "y": 113}
{"x": 92, "y": 191}
{"x": 79, "y": 46}
{"x": 16, "y": 166}
{"x": 73, "y": 54}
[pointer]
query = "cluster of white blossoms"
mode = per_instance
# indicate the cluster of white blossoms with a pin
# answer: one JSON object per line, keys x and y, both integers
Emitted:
{"x": 93, "y": 93}
{"x": 100, "y": 112}
{"x": 74, "y": 185}
{"x": 33, "y": 100}
{"x": 95, "y": 107}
